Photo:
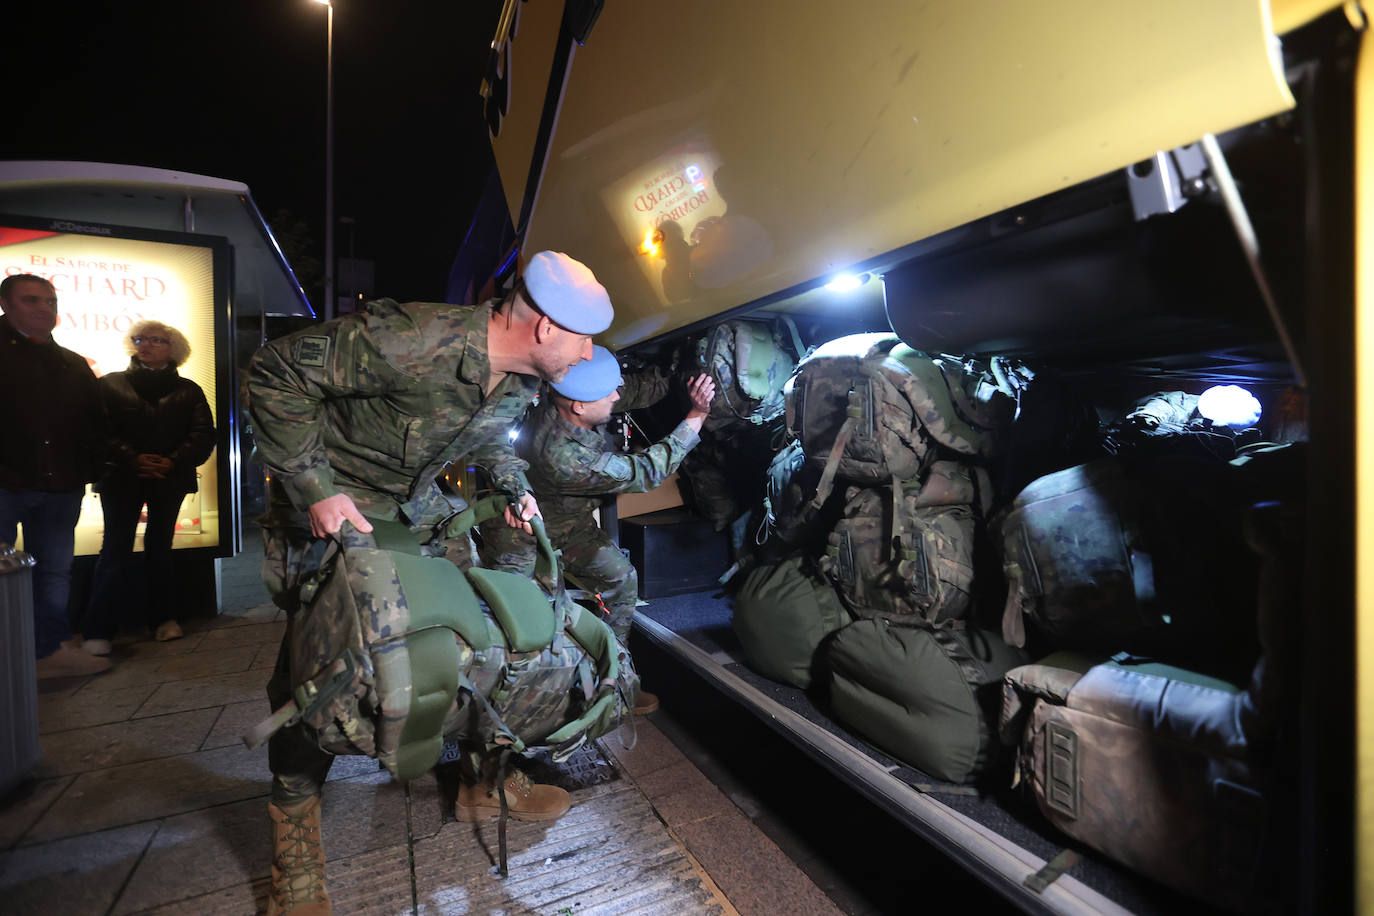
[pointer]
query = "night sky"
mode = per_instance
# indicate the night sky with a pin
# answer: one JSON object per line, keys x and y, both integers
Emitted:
{"x": 236, "y": 90}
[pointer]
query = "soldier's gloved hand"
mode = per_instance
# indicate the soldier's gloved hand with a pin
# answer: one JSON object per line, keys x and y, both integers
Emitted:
{"x": 331, "y": 512}
{"x": 518, "y": 516}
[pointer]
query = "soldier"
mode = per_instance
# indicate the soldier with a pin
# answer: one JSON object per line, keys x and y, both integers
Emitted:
{"x": 355, "y": 418}
{"x": 574, "y": 463}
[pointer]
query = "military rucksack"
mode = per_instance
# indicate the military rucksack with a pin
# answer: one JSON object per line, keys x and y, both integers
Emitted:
{"x": 789, "y": 486}
{"x": 1076, "y": 557}
{"x": 392, "y": 651}
{"x": 906, "y": 550}
{"x": 867, "y": 408}
{"x": 750, "y": 362}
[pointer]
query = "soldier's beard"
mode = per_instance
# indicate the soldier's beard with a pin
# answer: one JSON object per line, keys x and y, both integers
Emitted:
{"x": 551, "y": 366}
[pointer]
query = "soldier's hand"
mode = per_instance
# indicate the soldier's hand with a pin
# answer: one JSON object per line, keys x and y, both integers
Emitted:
{"x": 518, "y": 516}
{"x": 700, "y": 390}
{"x": 327, "y": 515}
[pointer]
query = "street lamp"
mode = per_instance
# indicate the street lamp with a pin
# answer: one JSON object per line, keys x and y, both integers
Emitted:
{"x": 329, "y": 301}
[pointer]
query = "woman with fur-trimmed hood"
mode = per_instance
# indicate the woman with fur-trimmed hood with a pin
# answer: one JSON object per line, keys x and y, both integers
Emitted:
{"x": 160, "y": 431}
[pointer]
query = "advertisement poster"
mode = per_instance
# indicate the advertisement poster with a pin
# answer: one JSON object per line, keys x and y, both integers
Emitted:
{"x": 104, "y": 285}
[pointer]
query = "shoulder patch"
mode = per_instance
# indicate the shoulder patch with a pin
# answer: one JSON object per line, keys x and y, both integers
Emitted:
{"x": 613, "y": 465}
{"x": 311, "y": 351}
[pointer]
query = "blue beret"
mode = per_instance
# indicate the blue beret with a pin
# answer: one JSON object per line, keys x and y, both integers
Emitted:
{"x": 567, "y": 292}
{"x": 591, "y": 380}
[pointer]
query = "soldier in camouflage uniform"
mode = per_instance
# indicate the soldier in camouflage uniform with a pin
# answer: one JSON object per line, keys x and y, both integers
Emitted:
{"x": 574, "y": 462}
{"x": 355, "y": 418}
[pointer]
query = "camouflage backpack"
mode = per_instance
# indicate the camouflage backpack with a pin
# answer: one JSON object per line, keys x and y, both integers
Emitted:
{"x": 906, "y": 551}
{"x": 750, "y": 362}
{"x": 392, "y": 651}
{"x": 868, "y": 408}
{"x": 789, "y": 485}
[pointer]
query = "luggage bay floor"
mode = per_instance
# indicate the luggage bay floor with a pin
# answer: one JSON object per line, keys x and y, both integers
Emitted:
{"x": 148, "y": 802}
{"x": 993, "y": 825}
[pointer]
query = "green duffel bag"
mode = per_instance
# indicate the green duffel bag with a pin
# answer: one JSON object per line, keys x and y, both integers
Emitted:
{"x": 782, "y": 612}
{"x": 928, "y": 695}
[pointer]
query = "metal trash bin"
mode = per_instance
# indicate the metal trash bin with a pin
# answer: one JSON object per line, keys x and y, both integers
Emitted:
{"x": 19, "y": 747}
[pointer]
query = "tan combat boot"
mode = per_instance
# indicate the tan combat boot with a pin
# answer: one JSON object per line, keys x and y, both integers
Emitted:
{"x": 646, "y": 703}
{"x": 525, "y": 800}
{"x": 297, "y": 861}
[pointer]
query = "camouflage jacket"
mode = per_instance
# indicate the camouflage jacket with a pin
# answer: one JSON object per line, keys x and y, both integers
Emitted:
{"x": 374, "y": 405}
{"x": 571, "y": 468}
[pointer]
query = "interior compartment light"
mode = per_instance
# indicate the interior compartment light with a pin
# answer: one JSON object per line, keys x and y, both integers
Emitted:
{"x": 845, "y": 283}
{"x": 1229, "y": 405}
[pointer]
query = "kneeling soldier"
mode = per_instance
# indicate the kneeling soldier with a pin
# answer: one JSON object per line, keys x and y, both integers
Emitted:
{"x": 574, "y": 462}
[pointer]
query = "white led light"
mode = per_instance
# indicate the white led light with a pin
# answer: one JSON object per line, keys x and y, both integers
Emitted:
{"x": 1229, "y": 405}
{"x": 845, "y": 283}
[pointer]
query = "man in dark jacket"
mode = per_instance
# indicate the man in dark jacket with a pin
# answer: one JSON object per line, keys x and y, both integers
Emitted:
{"x": 52, "y": 423}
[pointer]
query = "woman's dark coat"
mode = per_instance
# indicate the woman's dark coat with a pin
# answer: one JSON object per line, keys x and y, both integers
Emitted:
{"x": 155, "y": 411}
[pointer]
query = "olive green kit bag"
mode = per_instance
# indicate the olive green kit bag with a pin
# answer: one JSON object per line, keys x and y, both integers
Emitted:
{"x": 782, "y": 612}
{"x": 393, "y": 651}
{"x": 926, "y": 694}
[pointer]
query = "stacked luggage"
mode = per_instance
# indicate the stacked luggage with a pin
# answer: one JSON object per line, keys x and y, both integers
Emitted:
{"x": 1146, "y": 730}
{"x": 881, "y": 492}
{"x": 750, "y": 361}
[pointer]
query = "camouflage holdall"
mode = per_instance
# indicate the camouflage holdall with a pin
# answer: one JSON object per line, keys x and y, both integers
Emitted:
{"x": 392, "y": 651}
{"x": 906, "y": 550}
{"x": 1077, "y": 563}
{"x": 868, "y": 408}
{"x": 1153, "y": 766}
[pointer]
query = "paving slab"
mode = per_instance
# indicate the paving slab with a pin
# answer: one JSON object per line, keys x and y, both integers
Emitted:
{"x": 374, "y": 883}
{"x": 651, "y": 751}
{"x": 248, "y": 634}
{"x": 266, "y": 659}
{"x": 102, "y": 746}
{"x": 147, "y": 647}
{"x": 607, "y": 851}
{"x": 154, "y": 789}
{"x": 200, "y": 693}
{"x": 82, "y": 874}
{"x": 207, "y": 663}
{"x": 200, "y": 853}
{"x": 681, "y": 795}
{"x": 59, "y": 712}
{"x": 229, "y": 901}
{"x": 751, "y": 870}
{"x": 235, "y": 719}
{"x": 128, "y": 671}
{"x": 25, "y": 804}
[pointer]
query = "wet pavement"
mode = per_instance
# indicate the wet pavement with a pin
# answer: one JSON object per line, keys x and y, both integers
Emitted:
{"x": 147, "y": 801}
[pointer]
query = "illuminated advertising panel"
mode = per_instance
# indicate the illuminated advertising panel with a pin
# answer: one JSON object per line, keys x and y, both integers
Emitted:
{"x": 106, "y": 279}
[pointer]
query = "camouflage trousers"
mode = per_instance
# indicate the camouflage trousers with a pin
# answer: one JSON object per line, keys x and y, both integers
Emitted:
{"x": 591, "y": 560}
{"x": 299, "y": 767}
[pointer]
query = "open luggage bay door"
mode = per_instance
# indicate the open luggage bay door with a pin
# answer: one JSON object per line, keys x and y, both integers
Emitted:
{"x": 773, "y": 143}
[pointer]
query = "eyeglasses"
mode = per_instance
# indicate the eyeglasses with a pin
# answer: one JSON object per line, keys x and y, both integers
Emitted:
{"x": 152, "y": 340}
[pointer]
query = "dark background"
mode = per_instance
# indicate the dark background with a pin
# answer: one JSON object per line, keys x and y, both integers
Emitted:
{"x": 236, "y": 90}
